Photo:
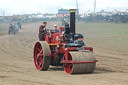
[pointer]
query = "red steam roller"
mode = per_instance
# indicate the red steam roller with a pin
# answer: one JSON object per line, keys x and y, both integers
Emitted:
{"x": 64, "y": 48}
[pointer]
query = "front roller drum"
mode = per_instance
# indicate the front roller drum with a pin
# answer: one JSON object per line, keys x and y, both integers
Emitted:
{"x": 41, "y": 58}
{"x": 82, "y": 62}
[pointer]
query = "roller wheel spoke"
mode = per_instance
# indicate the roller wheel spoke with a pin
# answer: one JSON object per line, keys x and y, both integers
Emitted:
{"x": 69, "y": 66}
{"x": 38, "y": 49}
{"x": 72, "y": 68}
{"x": 41, "y": 58}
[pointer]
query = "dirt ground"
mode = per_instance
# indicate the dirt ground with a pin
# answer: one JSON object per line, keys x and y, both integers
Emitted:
{"x": 17, "y": 66}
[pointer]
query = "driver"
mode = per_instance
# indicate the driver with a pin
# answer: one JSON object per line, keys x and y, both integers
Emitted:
{"x": 42, "y": 28}
{"x": 42, "y": 31}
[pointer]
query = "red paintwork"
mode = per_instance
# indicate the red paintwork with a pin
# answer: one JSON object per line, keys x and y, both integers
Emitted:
{"x": 88, "y": 48}
{"x": 80, "y": 39}
{"x": 55, "y": 40}
{"x": 38, "y": 60}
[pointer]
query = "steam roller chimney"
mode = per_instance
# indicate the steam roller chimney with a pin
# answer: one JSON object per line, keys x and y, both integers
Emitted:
{"x": 72, "y": 23}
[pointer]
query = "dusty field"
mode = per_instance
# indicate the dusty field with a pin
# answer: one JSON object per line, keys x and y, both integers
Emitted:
{"x": 17, "y": 67}
{"x": 3, "y": 28}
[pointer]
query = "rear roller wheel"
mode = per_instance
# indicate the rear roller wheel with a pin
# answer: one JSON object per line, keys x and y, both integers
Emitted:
{"x": 41, "y": 58}
{"x": 77, "y": 68}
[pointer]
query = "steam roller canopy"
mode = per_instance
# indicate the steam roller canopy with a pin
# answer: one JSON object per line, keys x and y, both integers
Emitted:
{"x": 77, "y": 68}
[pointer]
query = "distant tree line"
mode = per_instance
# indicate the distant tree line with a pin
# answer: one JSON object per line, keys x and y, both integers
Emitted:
{"x": 117, "y": 18}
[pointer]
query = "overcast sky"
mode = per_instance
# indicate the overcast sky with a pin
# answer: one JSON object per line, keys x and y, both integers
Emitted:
{"x": 11, "y": 7}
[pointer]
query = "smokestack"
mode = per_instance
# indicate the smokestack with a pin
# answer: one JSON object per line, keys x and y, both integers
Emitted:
{"x": 72, "y": 20}
{"x": 72, "y": 23}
